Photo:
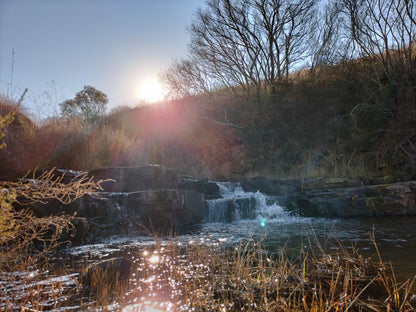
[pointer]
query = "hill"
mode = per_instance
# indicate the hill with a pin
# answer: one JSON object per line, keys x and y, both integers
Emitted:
{"x": 330, "y": 121}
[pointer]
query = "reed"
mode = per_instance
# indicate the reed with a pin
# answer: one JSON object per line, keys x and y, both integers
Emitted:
{"x": 173, "y": 276}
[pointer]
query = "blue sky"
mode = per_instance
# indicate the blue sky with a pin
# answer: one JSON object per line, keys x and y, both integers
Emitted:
{"x": 116, "y": 46}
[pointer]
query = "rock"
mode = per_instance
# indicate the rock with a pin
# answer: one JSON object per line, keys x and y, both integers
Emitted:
{"x": 51, "y": 207}
{"x": 81, "y": 228}
{"x": 67, "y": 176}
{"x": 191, "y": 209}
{"x": 273, "y": 187}
{"x": 329, "y": 183}
{"x": 210, "y": 189}
{"x": 372, "y": 200}
{"x": 110, "y": 272}
{"x": 97, "y": 205}
{"x": 166, "y": 209}
{"x": 135, "y": 179}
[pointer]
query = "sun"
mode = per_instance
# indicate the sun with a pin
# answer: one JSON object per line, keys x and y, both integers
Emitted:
{"x": 151, "y": 91}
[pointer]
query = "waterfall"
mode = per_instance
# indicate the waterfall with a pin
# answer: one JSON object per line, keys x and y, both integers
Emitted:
{"x": 236, "y": 204}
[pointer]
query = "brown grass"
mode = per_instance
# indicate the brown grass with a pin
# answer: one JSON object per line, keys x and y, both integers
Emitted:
{"x": 195, "y": 277}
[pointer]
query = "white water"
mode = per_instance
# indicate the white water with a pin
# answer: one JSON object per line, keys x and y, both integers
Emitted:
{"x": 236, "y": 205}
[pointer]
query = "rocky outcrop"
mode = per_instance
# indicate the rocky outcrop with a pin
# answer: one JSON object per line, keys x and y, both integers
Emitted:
{"x": 210, "y": 189}
{"x": 136, "y": 179}
{"x": 157, "y": 199}
{"x": 152, "y": 198}
{"x": 396, "y": 199}
{"x": 273, "y": 187}
{"x": 339, "y": 197}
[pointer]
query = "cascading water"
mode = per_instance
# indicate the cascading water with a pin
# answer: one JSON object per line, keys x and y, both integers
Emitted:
{"x": 236, "y": 204}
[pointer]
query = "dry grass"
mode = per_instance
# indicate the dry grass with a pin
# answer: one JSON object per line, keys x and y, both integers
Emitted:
{"x": 195, "y": 277}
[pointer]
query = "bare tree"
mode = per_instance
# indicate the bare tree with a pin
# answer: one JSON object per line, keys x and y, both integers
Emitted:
{"x": 185, "y": 78}
{"x": 245, "y": 45}
{"x": 383, "y": 30}
{"x": 326, "y": 44}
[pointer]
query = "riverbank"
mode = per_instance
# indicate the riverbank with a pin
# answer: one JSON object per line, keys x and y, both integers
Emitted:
{"x": 178, "y": 275}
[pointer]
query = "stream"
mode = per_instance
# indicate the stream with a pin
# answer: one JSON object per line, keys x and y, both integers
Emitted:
{"x": 238, "y": 216}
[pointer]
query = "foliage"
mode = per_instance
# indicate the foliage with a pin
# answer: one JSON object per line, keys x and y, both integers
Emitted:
{"x": 4, "y": 122}
{"x": 8, "y": 226}
{"x": 19, "y": 228}
{"x": 21, "y": 232}
{"x": 89, "y": 103}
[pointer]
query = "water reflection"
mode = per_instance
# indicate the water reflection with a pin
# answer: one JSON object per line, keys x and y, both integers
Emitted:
{"x": 162, "y": 274}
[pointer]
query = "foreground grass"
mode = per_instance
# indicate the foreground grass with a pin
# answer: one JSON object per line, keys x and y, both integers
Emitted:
{"x": 196, "y": 277}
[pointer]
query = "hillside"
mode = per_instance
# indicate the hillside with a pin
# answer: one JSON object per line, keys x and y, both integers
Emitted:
{"x": 331, "y": 121}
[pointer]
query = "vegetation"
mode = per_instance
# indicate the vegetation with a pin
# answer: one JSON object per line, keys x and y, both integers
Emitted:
{"x": 21, "y": 232}
{"x": 89, "y": 104}
{"x": 259, "y": 94}
{"x": 170, "y": 276}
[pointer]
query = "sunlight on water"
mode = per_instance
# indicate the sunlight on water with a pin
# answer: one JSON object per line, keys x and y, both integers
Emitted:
{"x": 169, "y": 274}
{"x": 154, "y": 259}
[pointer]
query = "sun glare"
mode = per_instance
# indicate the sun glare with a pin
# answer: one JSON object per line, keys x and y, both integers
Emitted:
{"x": 151, "y": 91}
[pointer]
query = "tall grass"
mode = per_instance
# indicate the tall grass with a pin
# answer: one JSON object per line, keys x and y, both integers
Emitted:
{"x": 330, "y": 121}
{"x": 195, "y": 277}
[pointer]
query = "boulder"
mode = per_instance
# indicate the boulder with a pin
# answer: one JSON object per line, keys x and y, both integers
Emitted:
{"x": 166, "y": 209}
{"x": 372, "y": 200}
{"x": 273, "y": 187}
{"x": 329, "y": 183}
{"x": 136, "y": 178}
{"x": 210, "y": 189}
{"x": 81, "y": 226}
{"x": 66, "y": 176}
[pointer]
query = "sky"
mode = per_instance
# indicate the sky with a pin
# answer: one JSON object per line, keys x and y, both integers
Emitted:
{"x": 55, "y": 47}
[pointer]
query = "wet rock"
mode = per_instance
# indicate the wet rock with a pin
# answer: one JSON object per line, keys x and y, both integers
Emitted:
{"x": 97, "y": 205}
{"x": 166, "y": 209}
{"x": 210, "y": 189}
{"x": 329, "y": 183}
{"x": 274, "y": 187}
{"x": 372, "y": 200}
{"x": 66, "y": 176}
{"x": 81, "y": 226}
{"x": 135, "y": 179}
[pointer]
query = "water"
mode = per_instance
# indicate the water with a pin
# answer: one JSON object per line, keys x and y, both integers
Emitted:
{"x": 246, "y": 216}
{"x": 237, "y": 217}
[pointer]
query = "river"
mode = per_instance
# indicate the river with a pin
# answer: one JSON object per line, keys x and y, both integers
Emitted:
{"x": 241, "y": 216}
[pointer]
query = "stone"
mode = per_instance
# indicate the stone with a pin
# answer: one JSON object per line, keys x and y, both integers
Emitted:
{"x": 396, "y": 199}
{"x": 66, "y": 176}
{"x": 210, "y": 189}
{"x": 273, "y": 187}
{"x": 166, "y": 209}
{"x": 329, "y": 183}
{"x": 81, "y": 226}
{"x": 136, "y": 178}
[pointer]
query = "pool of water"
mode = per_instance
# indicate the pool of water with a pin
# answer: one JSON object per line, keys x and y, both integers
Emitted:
{"x": 395, "y": 238}
{"x": 238, "y": 217}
